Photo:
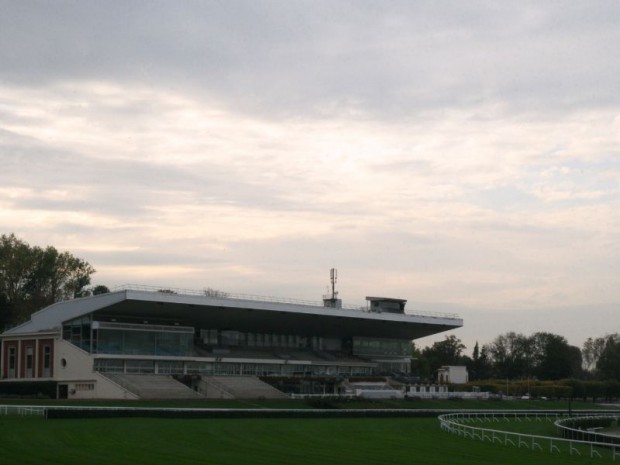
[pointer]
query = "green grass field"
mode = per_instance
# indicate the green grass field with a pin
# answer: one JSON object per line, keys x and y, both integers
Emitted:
{"x": 34, "y": 440}
{"x": 393, "y": 441}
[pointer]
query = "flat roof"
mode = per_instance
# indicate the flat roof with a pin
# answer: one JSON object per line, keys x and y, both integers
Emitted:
{"x": 225, "y": 311}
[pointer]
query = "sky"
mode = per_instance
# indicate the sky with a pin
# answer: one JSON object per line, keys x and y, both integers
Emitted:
{"x": 464, "y": 156}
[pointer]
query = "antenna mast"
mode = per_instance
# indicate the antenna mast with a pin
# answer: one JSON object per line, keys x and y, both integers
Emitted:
{"x": 334, "y": 277}
{"x": 332, "y": 300}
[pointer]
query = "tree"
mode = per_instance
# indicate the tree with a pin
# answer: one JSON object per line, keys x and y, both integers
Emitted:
{"x": 591, "y": 352}
{"x": 167, "y": 291}
{"x": 553, "y": 357}
{"x": 5, "y": 311}
{"x": 419, "y": 363}
{"x": 17, "y": 263}
{"x": 542, "y": 355}
{"x": 480, "y": 367}
{"x": 446, "y": 352}
{"x": 100, "y": 289}
{"x": 209, "y": 292}
{"x": 511, "y": 356}
{"x": 32, "y": 278}
{"x": 608, "y": 365}
{"x": 57, "y": 276}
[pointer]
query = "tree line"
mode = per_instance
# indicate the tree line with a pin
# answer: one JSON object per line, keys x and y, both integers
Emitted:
{"x": 33, "y": 277}
{"x": 513, "y": 356}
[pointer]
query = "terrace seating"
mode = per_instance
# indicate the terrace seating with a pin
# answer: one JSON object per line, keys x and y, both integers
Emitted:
{"x": 238, "y": 387}
{"x": 154, "y": 386}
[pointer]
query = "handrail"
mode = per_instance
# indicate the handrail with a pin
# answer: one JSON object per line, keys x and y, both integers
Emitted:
{"x": 456, "y": 423}
{"x": 22, "y": 410}
{"x": 577, "y": 432}
{"x": 260, "y": 298}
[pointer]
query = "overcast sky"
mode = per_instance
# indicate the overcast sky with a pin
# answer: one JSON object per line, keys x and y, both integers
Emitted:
{"x": 462, "y": 155}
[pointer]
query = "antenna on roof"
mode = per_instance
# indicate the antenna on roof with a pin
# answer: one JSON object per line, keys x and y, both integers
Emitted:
{"x": 333, "y": 274}
{"x": 332, "y": 300}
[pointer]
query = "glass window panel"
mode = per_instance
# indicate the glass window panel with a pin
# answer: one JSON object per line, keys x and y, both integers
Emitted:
{"x": 140, "y": 366}
{"x": 11, "y": 358}
{"x": 375, "y": 346}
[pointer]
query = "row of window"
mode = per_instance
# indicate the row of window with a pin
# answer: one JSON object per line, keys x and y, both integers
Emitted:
{"x": 131, "y": 339}
{"x": 118, "y": 341}
{"x": 84, "y": 387}
{"x": 377, "y": 347}
{"x": 228, "y": 338}
{"x": 29, "y": 367}
{"x": 215, "y": 368}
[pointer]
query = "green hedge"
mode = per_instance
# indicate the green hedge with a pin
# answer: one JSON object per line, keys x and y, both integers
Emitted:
{"x": 29, "y": 389}
{"x": 560, "y": 389}
{"x": 62, "y": 413}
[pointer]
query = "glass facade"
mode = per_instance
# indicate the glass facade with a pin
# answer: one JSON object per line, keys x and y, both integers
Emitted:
{"x": 169, "y": 368}
{"x": 366, "y": 346}
{"x": 129, "y": 339}
{"x": 226, "y": 368}
{"x": 110, "y": 366}
{"x": 139, "y": 366}
{"x": 227, "y": 338}
{"x": 131, "y": 342}
{"x": 78, "y": 332}
{"x": 133, "y": 339}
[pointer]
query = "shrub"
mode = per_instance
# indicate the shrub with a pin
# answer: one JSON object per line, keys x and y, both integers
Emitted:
{"x": 29, "y": 389}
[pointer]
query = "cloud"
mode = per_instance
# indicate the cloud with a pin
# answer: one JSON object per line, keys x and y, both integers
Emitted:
{"x": 462, "y": 154}
{"x": 326, "y": 58}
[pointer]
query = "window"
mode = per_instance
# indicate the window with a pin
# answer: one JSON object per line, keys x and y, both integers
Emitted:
{"x": 78, "y": 332}
{"x": 29, "y": 361}
{"x": 12, "y": 358}
{"x": 134, "y": 339}
{"x": 84, "y": 387}
{"x": 47, "y": 361}
{"x": 170, "y": 368}
{"x": 381, "y": 347}
{"x": 109, "y": 366}
{"x": 140, "y": 366}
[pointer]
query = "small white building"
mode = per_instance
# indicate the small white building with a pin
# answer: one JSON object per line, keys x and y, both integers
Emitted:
{"x": 452, "y": 375}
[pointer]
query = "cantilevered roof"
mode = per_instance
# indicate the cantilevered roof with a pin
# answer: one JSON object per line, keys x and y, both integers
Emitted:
{"x": 248, "y": 315}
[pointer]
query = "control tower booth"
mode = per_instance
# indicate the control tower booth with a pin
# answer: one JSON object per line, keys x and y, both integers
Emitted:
{"x": 386, "y": 305}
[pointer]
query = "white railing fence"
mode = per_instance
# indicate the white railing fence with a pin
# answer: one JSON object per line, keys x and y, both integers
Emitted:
{"x": 21, "y": 410}
{"x": 587, "y": 428}
{"x": 464, "y": 424}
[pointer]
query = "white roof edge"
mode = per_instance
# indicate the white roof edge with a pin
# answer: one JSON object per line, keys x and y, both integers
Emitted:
{"x": 51, "y": 317}
{"x": 289, "y": 307}
{"x": 22, "y": 334}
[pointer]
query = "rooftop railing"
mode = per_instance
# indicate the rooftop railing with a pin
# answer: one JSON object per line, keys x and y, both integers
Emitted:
{"x": 217, "y": 294}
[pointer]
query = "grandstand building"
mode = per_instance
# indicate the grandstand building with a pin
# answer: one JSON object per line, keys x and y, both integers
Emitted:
{"x": 137, "y": 343}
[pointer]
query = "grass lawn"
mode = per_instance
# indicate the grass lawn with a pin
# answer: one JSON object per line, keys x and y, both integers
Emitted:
{"x": 134, "y": 441}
